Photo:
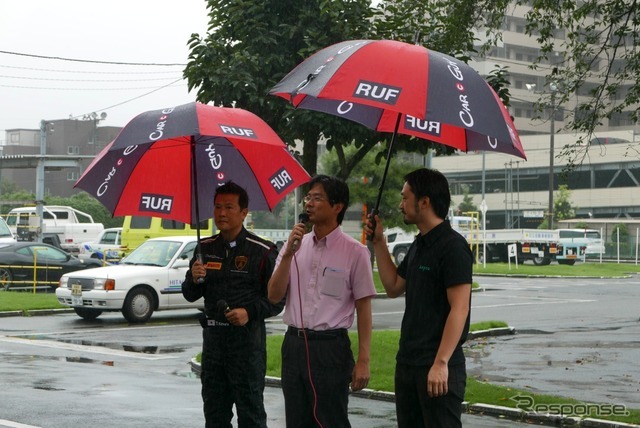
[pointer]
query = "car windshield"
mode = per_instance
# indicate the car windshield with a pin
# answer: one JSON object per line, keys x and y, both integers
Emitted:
{"x": 153, "y": 253}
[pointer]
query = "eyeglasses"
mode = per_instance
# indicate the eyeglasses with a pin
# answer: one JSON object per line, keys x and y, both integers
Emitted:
{"x": 315, "y": 198}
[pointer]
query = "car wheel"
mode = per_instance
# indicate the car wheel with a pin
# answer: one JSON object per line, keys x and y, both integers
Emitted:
{"x": 88, "y": 314}
{"x": 5, "y": 278}
{"x": 399, "y": 254}
{"x": 138, "y": 306}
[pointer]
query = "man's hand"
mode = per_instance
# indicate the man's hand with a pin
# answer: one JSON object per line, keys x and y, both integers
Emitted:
{"x": 437, "y": 380}
{"x": 378, "y": 233}
{"x": 237, "y": 316}
{"x": 198, "y": 271}
{"x": 295, "y": 237}
{"x": 360, "y": 376}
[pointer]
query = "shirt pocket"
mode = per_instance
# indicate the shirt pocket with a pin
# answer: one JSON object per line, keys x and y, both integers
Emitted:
{"x": 334, "y": 282}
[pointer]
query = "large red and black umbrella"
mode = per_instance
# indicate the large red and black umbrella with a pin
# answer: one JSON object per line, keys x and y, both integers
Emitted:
{"x": 167, "y": 163}
{"x": 396, "y": 87}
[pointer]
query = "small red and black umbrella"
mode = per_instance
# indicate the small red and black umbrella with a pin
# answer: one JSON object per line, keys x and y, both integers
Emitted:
{"x": 167, "y": 163}
{"x": 396, "y": 87}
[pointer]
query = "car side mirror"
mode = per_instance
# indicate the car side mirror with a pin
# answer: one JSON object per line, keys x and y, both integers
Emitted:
{"x": 181, "y": 263}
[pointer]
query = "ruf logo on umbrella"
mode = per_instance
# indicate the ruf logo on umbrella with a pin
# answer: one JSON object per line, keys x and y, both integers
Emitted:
{"x": 155, "y": 203}
{"x": 429, "y": 127}
{"x": 237, "y": 131}
{"x": 377, "y": 92}
{"x": 281, "y": 180}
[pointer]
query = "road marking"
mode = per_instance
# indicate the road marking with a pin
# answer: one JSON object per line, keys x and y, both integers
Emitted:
{"x": 83, "y": 348}
{"x": 530, "y": 303}
{"x": 11, "y": 424}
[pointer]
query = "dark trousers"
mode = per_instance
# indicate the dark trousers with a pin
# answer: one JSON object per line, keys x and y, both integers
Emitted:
{"x": 416, "y": 409}
{"x": 331, "y": 366}
{"x": 233, "y": 370}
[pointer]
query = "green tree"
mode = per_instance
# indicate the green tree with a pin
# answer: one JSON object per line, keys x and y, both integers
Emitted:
{"x": 622, "y": 230}
{"x": 252, "y": 44}
{"x": 562, "y": 208}
{"x": 467, "y": 204}
{"x": 365, "y": 179}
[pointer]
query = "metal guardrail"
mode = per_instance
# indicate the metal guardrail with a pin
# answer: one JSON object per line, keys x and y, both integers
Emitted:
{"x": 34, "y": 281}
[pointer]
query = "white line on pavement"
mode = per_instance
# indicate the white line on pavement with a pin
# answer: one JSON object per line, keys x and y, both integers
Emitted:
{"x": 84, "y": 348}
{"x": 10, "y": 424}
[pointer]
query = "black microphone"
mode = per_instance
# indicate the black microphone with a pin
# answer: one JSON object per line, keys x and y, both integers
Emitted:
{"x": 302, "y": 218}
{"x": 223, "y": 306}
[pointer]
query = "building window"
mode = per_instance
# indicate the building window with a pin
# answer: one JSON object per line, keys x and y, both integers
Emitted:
{"x": 73, "y": 150}
{"x": 72, "y": 176}
{"x": 14, "y": 138}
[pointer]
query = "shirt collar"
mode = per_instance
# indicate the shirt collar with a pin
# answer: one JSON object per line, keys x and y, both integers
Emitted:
{"x": 429, "y": 238}
{"x": 328, "y": 240}
{"x": 241, "y": 237}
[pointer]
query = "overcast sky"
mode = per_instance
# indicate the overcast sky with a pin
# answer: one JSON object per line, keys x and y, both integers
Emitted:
{"x": 124, "y": 31}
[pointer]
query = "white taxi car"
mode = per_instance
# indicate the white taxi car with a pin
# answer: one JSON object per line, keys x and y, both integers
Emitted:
{"x": 147, "y": 280}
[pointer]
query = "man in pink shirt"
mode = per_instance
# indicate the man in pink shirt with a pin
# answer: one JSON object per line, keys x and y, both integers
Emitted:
{"x": 326, "y": 276}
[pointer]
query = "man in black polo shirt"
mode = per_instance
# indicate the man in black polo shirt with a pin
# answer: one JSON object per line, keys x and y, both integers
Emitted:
{"x": 436, "y": 276}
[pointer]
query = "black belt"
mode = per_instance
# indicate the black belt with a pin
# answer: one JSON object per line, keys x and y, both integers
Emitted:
{"x": 317, "y": 334}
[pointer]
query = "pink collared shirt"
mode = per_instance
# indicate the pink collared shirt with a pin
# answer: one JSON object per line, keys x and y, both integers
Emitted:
{"x": 334, "y": 272}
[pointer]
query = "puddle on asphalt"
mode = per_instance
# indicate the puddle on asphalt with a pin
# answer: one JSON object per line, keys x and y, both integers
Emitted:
{"x": 21, "y": 359}
{"x": 122, "y": 347}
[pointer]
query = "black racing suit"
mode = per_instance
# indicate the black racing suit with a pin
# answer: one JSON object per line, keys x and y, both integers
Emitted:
{"x": 234, "y": 357}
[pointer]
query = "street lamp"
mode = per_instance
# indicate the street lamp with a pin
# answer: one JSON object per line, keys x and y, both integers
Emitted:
{"x": 553, "y": 89}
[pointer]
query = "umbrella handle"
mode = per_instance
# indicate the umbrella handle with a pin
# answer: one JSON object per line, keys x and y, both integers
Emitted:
{"x": 200, "y": 259}
{"x": 372, "y": 219}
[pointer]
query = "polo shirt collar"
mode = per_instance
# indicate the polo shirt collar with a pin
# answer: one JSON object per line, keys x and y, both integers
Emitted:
{"x": 429, "y": 238}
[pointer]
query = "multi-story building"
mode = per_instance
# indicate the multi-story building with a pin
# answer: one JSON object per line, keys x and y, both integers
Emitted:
{"x": 68, "y": 137}
{"x": 604, "y": 184}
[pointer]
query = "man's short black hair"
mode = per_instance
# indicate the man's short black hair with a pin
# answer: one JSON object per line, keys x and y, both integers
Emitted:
{"x": 336, "y": 189}
{"x": 431, "y": 183}
{"x": 231, "y": 188}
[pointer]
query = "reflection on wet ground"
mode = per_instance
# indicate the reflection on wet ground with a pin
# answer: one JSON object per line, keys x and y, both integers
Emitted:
{"x": 143, "y": 349}
{"x": 22, "y": 359}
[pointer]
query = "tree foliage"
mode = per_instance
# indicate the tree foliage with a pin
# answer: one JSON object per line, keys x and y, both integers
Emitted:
{"x": 251, "y": 44}
{"x": 364, "y": 183}
{"x": 589, "y": 47}
{"x": 562, "y": 207}
{"x": 467, "y": 204}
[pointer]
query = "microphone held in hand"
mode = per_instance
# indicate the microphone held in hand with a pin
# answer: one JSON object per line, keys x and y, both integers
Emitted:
{"x": 302, "y": 218}
{"x": 223, "y": 306}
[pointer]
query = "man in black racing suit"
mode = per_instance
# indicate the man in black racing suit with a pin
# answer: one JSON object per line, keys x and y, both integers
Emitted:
{"x": 236, "y": 266}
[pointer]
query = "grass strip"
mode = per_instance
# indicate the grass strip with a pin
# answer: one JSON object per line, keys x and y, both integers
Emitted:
{"x": 384, "y": 346}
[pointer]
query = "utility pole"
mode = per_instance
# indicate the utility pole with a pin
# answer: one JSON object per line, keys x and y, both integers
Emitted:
{"x": 40, "y": 178}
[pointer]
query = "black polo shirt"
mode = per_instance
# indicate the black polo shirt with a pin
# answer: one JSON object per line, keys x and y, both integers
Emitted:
{"x": 435, "y": 261}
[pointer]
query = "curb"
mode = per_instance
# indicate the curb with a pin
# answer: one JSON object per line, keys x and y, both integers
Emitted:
{"x": 35, "y": 312}
{"x": 477, "y": 409}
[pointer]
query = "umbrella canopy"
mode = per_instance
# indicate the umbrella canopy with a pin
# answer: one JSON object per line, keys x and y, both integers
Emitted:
{"x": 392, "y": 86}
{"x": 167, "y": 163}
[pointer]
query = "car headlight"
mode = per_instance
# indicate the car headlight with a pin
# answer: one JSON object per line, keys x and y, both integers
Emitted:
{"x": 63, "y": 282}
{"x": 104, "y": 284}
